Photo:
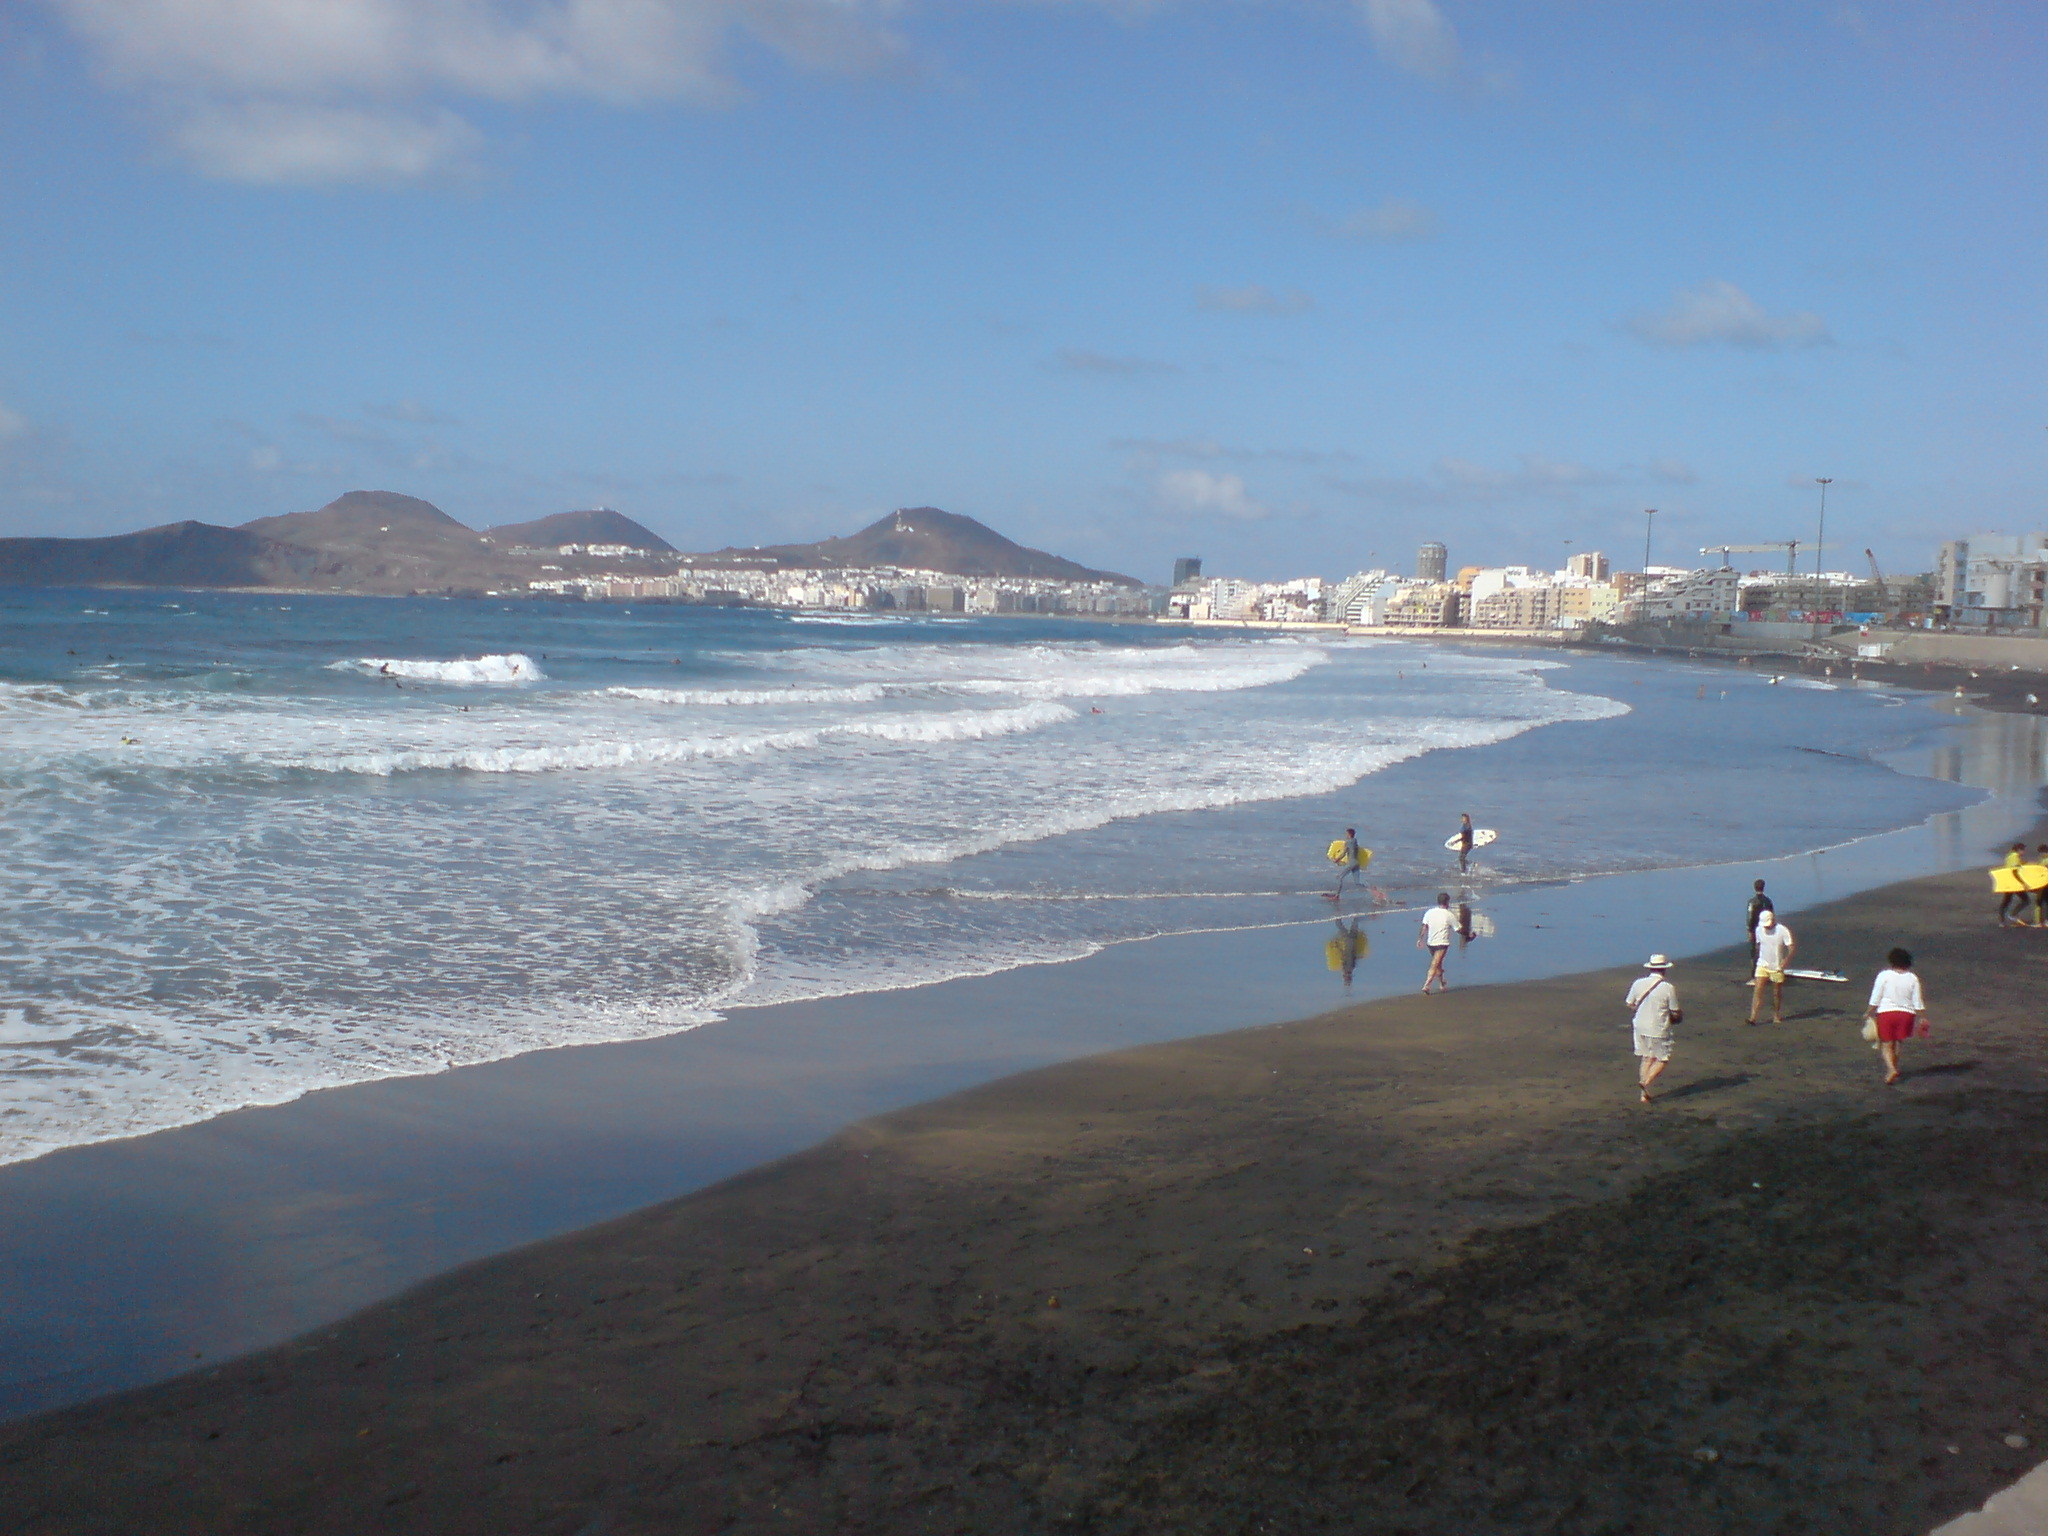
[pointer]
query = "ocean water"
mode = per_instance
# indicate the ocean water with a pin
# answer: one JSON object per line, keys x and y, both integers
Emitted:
{"x": 262, "y": 845}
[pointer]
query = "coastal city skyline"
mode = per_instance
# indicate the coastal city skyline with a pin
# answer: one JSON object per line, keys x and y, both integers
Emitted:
{"x": 1265, "y": 281}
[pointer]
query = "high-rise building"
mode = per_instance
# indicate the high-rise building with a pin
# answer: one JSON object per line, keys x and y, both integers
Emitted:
{"x": 1591, "y": 564}
{"x": 1187, "y": 569}
{"x": 1431, "y": 562}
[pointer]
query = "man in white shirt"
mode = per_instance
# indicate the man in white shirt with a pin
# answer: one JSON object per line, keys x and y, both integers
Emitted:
{"x": 1774, "y": 948}
{"x": 1439, "y": 927}
{"x": 1655, "y": 1003}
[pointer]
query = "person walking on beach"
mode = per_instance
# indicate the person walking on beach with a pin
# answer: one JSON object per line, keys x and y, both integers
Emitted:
{"x": 1464, "y": 842}
{"x": 1439, "y": 927}
{"x": 1774, "y": 953}
{"x": 1653, "y": 1001}
{"x": 2013, "y": 901}
{"x": 1350, "y": 863}
{"x": 1897, "y": 1008}
{"x": 1774, "y": 947}
{"x": 1759, "y": 904}
{"x": 2041, "y": 892}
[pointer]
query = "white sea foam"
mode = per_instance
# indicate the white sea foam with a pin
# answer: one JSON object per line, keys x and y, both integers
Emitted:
{"x": 293, "y": 888}
{"x": 513, "y": 667}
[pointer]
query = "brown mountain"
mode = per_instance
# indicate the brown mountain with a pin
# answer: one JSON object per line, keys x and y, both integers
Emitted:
{"x": 602, "y": 526}
{"x": 922, "y": 539}
{"x": 188, "y": 554}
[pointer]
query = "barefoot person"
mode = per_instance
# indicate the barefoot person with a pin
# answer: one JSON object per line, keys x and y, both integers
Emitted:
{"x": 1655, "y": 1003}
{"x": 2013, "y": 903}
{"x": 1774, "y": 948}
{"x": 1439, "y": 927}
{"x": 1465, "y": 843}
{"x": 1759, "y": 904}
{"x": 1897, "y": 1008}
{"x": 1350, "y": 860}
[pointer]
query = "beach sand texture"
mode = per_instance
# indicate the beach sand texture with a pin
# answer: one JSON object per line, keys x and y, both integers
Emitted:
{"x": 1419, "y": 1265}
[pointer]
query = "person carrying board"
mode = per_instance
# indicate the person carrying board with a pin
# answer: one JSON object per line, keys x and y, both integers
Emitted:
{"x": 1464, "y": 842}
{"x": 1350, "y": 860}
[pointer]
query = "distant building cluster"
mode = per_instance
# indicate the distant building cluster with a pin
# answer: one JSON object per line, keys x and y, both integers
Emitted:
{"x": 1992, "y": 581}
{"x": 1995, "y": 580}
{"x": 870, "y": 589}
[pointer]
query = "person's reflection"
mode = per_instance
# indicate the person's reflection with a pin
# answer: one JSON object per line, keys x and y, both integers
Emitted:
{"x": 1346, "y": 947}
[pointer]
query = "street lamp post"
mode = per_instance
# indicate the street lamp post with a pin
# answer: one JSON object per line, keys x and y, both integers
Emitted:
{"x": 1648, "y": 514}
{"x": 1821, "y": 539}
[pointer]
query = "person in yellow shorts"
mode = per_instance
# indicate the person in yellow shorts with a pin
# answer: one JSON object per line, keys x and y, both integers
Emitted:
{"x": 1774, "y": 946}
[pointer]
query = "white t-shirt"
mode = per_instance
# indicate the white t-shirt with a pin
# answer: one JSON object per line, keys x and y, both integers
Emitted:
{"x": 1654, "y": 1000}
{"x": 1896, "y": 992}
{"x": 1439, "y": 927}
{"x": 1773, "y": 946}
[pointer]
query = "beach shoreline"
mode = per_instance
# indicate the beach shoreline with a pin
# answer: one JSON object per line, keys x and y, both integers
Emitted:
{"x": 1092, "y": 1296}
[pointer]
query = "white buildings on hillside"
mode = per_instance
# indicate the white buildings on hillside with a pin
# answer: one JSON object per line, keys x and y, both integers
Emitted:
{"x": 1993, "y": 579}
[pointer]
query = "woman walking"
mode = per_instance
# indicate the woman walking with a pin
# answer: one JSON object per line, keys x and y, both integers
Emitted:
{"x": 1897, "y": 1008}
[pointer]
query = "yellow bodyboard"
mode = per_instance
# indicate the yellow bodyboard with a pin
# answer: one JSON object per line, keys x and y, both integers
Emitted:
{"x": 1338, "y": 855}
{"x": 2006, "y": 882}
{"x": 2033, "y": 876}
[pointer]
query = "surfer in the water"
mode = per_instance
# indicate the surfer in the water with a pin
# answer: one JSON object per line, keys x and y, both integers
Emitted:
{"x": 1464, "y": 842}
{"x": 1350, "y": 863}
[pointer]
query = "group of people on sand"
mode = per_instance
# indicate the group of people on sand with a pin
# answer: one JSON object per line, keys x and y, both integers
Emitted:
{"x": 1896, "y": 1012}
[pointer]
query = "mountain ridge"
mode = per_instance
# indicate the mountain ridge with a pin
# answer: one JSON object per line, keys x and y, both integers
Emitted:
{"x": 925, "y": 539}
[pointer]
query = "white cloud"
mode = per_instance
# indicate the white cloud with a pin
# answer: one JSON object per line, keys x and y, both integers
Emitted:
{"x": 1673, "y": 472}
{"x": 1254, "y": 299}
{"x": 1202, "y": 493}
{"x": 1718, "y": 311}
{"x": 12, "y": 424}
{"x": 307, "y": 91}
{"x": 291, "y": 143}
{"x": 1393, "y": 222}
{"x": 1413, "y": 35}
{"x": 342, "y": 90}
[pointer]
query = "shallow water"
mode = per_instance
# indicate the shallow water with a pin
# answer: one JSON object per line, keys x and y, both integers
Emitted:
{"x": 268, "y": 845}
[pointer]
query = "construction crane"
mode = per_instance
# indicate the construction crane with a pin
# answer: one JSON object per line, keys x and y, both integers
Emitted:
{"x": 1790, "y": 546}
{"x": 1884, "y": 593}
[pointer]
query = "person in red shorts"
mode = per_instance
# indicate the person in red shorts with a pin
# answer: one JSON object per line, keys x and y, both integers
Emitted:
{"x": 1897, "y": 1008}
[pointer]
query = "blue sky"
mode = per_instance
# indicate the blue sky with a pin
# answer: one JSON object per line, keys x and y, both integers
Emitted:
{"x": 1290, "y": 286}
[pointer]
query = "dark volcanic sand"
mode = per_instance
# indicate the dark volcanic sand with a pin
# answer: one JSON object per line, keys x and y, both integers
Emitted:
{"x": 1416, "y": 1266}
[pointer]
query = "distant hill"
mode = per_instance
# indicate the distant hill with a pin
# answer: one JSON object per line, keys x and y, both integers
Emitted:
{"x": 924, "y": 539}
{"x": 188, "y": 554}
{"x": 383, "y": 543}
{"x": 602, "y": 526}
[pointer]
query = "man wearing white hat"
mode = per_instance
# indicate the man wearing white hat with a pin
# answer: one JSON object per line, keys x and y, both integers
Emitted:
{"x": 1655, "y": 1002}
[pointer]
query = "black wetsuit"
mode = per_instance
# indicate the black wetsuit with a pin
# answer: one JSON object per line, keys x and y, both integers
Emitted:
{"x": 1759, "y": 904}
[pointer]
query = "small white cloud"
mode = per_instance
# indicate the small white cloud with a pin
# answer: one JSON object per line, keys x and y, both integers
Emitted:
{"x": 1393, "y": 222}
{"x": 413, "y": 413}
{"x": 1673, "y": 472}
{"x": 292, "y": 144}
{"x": 344, "y": 430}
{"x": 12, "y": 424}
{"x": 1202, "y": 493}
{"x": 1413, "y": 35}
{"x": 1253, "y": 299}
{"x": 266, "y": 459}
{"x": 1078, "y": 360}
{"x": 1718, "y": 311}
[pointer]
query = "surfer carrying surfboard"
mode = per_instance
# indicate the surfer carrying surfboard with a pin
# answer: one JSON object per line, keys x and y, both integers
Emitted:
{"x": 1350, "y": 860}
{"x": 1464, "y": 842}
{"x": 2015, "y": 900}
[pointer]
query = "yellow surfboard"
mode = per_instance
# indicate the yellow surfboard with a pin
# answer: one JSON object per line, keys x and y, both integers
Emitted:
{"x": 2033, "y": 876}
{"x": 1338, "y": 855}
{"x": 2006, "y": 882}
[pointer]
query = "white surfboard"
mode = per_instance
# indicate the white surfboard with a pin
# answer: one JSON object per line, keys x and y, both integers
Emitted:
{"x": 1818, "y": 975}
{"x": 1481, "y": 836}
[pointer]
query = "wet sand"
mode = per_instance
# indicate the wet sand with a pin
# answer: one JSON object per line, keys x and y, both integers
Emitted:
{"x": 1419, "y": 1265}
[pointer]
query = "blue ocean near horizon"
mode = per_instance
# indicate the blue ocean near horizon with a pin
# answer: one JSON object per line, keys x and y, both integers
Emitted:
{"x": 267, "y": 843}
